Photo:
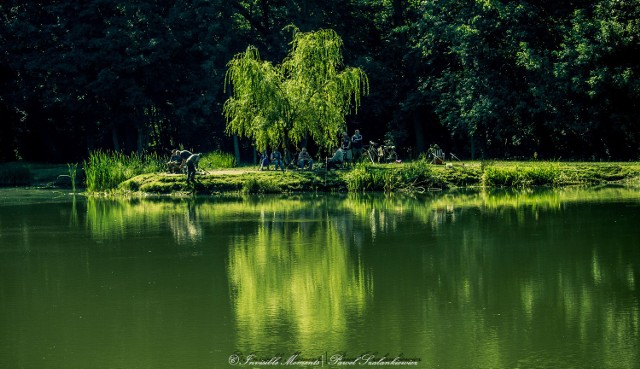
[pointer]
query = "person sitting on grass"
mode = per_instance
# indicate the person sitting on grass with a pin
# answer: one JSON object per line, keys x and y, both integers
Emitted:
{"x": 337, "y": 159}
{"x": 192, "y": 166}
{"x": 304, "y": 159}
{"x": 175, "y": 161}
{"x": 276, "y": 159}
{"x": 264, "y": 160}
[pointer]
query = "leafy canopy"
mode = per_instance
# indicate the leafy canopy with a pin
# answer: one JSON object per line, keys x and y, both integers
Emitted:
{"x": 308, "y": 95}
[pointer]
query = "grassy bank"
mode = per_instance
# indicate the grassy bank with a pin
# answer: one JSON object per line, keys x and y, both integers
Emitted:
{"x": 240, "y": 180}
{"x": 411, "y": 177}
{"x": 121, "y": 174}
{"x": 105, "y": 171}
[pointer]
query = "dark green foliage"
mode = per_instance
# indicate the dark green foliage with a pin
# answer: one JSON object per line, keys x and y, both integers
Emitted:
{"x": 522, "y": 77}
{"x": 119, "y": 75}
{"x": 484, "y": 79}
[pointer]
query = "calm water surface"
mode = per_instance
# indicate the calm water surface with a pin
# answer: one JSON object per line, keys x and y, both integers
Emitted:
{"x": 459, "y": 280}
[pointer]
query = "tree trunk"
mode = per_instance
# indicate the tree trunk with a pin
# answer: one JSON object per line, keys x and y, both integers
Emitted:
{"x": 473, "y": 147}
{"x": 419, "y": 132}
{"x": 398, "y": 13}
{"x": 236, "y": 149}
{"x": 139, "y": 141}
{"x": 115, "y": 139}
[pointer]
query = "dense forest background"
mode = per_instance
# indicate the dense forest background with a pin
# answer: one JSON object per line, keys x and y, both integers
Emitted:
{"x": 482, "y": 78}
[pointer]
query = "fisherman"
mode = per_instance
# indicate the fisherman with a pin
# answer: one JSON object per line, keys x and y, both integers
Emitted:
{"x": 175, "y": 161}
{"x": 304, "y": 158}
{"x": 192, "y": 166}
{"x": 356, "y": 144}
{"x": 276, "y": 159}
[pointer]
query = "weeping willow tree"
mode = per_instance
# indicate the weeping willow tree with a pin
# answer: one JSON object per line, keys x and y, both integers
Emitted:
{"x": 308, "y": 95}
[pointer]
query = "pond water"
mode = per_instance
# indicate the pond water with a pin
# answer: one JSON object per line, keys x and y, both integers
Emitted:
{"x": 544, "y": 279}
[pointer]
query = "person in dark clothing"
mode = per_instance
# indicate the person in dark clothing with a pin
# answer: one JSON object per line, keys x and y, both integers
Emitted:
{"x": 175, "y": 161}
{"x": 264, "y": 160}
{"x": 304, "y": 158}
{"x": 192, "y": 166}
{"x": 184, "y": 154}
{"x": 276, "y": 159}
{"x": 346, "y": 147}
{"x": 356, "y": 145}
{"x": 336, "y": 160}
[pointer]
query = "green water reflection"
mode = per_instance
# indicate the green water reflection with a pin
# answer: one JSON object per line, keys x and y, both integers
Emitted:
{"x": 469, "y": 279}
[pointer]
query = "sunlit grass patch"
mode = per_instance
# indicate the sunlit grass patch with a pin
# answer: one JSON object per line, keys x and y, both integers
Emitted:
{"x": 522, "y": 174}
{"x": 216, "y": 160}
{"x": 417, "y": 176}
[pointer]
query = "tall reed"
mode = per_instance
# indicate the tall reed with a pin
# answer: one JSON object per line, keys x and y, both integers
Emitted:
{"x": 216, "y": 160}
{"x": 106, "y": 170}
{"x": 365, "y": 177}
{"x": 416, "y": 176}
{"x": 73, "y": 171}
{"x": 522, "y": 175}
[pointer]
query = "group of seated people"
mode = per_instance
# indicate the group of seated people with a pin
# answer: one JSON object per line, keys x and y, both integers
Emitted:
{"x": 351, "y": 147}
{"x": 275, "y": 158}
{"x": 304, "y": 160}
{"x": 184, "y": 158}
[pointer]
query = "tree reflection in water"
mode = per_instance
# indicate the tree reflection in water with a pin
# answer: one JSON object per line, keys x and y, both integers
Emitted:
{"x": 296, "y": 279}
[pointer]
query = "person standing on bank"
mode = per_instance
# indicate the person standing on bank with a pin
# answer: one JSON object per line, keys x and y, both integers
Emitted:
{"x": 184, "y": 155}
{"x": 346, "y": 147}
{"x": 356, "y": 144}
{"x": 192, "y": 166}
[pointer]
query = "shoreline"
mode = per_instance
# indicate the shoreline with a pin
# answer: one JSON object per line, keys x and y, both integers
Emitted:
{"x": 412, "y": 177}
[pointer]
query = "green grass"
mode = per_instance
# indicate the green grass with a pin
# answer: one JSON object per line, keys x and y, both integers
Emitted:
{"x": 412, "y": 177}
{"x": 73, "y": 172}
{"x": 217, "y": 160}
{"x": 416, "y": 176}
{"x": 522, "y": 175}
{"x": 104, "y": 171}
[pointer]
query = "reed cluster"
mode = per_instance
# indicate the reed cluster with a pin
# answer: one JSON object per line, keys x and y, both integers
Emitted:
{"x": 417, "y": 176}
{"x": 217, "y": 160}
{"x": 522, "y": 175}
{"x": 260, "y": 185}
{"x": 73, "y": 173}
{"x": 104, "y": 170}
